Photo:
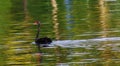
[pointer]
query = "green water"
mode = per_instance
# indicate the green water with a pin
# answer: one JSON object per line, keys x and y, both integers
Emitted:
{"x": 71, "y": 20}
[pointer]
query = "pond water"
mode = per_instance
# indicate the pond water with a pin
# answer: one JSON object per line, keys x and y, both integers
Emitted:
{"x": 94, "y": 25}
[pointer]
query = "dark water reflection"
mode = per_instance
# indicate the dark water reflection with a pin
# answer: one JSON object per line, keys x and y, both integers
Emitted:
{"x": 61, "y": 20}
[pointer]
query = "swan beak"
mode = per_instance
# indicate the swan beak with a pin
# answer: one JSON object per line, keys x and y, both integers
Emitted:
{"x": 35, "y": 23}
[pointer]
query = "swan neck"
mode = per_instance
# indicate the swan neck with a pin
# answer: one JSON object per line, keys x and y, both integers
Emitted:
{"x": 38, "y": 31}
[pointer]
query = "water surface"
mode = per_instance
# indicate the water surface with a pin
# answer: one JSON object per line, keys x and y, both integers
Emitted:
{"x": 92, "y": 21}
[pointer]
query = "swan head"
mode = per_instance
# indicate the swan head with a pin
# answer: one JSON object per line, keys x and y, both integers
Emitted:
{"x": 37, "y": 23}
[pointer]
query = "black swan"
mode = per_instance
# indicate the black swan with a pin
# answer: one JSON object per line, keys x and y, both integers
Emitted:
{"x": 41, "y": 42}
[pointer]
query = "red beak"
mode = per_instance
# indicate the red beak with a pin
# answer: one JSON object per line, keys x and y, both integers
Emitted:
{"x": 36, "y": 22}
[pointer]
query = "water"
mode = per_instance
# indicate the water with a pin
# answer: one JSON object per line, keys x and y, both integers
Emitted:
{"x": 89, "y": 31}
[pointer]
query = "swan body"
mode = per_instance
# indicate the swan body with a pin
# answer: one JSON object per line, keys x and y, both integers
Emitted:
{"x": 43, "y": 41}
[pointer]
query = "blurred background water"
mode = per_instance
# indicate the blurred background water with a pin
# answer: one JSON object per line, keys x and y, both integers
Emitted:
{"x": 61, "y": 20}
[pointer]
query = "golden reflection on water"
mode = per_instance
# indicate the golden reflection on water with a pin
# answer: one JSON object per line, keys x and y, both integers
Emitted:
{"x": 55, "y": 19}
{"x": 104, "y": 18}
{"x": 107, "y": 54}
{"x": 18, "y": 47}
